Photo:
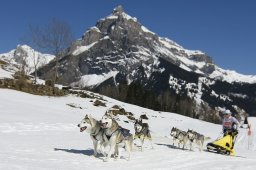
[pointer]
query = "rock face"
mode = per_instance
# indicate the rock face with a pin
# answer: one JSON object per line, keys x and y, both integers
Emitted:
{"x": 122, "y": 58}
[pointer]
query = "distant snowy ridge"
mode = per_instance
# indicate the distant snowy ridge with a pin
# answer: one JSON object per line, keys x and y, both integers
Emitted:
{"x": 232, "y": 76}
{"x": 15, "y": 57}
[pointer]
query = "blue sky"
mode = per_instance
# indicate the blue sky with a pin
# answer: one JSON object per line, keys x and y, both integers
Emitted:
{"x": 224, "y": 29}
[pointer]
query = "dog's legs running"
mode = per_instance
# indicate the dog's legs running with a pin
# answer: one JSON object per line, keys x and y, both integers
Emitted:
{"x": 102, "y": 147}
{"x": 117, "y": 154}
{"x": 184, "y": 143}
{"x": 142, "y": 142}
{"x": 111, "y": 149}
{"x": 173, "y": 140}
{"x": 201, "y": 146}
{"x": 151, "y": 143}
{"x": 128, "y": 148}
{"x": 95, "y": 144}
{"x": 190, "y": 146}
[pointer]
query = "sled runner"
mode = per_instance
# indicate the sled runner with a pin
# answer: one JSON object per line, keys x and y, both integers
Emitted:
{"x": 224, "y": 145}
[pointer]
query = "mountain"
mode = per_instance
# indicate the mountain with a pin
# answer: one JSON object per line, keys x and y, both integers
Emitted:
{"x": 121, "y": 58}
{"x": 22, "y": 55}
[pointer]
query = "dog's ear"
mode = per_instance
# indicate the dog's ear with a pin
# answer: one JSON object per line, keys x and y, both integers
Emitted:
{"x": 91, "y": 120}
{"x": 89, "y": 117}
{"x": 86, "y": 116}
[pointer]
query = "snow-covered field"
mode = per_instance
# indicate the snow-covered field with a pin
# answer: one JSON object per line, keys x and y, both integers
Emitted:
{"x": 41, "y": 133}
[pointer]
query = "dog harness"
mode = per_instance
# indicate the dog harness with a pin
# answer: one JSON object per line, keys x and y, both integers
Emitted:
{"x": 95, "y": 134}
{"x": 125, "y": 132}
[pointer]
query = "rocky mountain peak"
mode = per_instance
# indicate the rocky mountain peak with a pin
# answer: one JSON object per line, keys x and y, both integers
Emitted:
{"x": 118, "y": 10}
{"x": 119, "y": 50}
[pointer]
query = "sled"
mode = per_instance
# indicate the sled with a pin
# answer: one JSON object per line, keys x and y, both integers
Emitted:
{"x": 224, "y": 145}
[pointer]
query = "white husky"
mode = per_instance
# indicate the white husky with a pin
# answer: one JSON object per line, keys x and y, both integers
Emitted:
{"x": 116, "y": 137}
{"x": 92, "y": 126}
{"x": 196, "y": 138}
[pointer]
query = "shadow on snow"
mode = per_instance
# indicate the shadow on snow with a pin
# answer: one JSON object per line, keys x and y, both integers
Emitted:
{"x": 88, "y": 152}
{"x": 170, "y": 146}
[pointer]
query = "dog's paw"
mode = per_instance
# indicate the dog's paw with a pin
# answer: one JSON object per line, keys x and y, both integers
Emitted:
{"x": 105, "y": 159}
{"x": 95, "y": 154}
{"x": 116, "y": 158}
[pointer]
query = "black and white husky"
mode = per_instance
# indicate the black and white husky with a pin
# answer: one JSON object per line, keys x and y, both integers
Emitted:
{"x": 180, "y": 136}
{"x": 116, "y": 137}
{"x": 196, "y": 138}
{"x": 142, "y": 132}
{"x": 92, "y": 126}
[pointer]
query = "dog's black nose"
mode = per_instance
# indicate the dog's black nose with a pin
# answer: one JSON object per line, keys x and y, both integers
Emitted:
{"x": 78, "y": 125}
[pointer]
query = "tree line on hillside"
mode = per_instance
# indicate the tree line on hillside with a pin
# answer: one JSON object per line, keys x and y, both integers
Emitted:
{"x": 167, "y": 100}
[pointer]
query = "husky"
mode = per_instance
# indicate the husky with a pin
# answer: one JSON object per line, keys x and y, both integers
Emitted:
{"x": 196, "y": 138}
{"x": 180, "y": 136}
{"x": 116, "y": 137}
{"x": 92, "y": 126}
{"x": 142, "y": 132}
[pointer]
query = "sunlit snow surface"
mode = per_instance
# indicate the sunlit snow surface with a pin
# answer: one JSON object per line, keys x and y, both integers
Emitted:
{"x": 41, "y": 133}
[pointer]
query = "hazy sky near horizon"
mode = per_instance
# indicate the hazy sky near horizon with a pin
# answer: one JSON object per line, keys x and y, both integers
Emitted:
{"x": 224, "y": 29}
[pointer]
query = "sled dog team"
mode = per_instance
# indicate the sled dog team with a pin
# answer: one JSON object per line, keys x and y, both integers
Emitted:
{"x": 183, "y": 137}
{"x": 107, "y": 133}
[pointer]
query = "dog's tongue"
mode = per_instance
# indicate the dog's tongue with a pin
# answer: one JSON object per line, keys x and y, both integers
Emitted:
{"x": 82, "y": 129}
{"x": 103, "y": 125}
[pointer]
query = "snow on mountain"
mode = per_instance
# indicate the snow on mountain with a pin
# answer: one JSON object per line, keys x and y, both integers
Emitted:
{"x": 92, "y": 80}
{"x": 232, "y": 76}
{"x": 82, "y": 49}
{"x": 190, "y": 60}
{"x": 15, "y": 58}
{"x": 5, "y": 74}
{"x": 41, "y": 133}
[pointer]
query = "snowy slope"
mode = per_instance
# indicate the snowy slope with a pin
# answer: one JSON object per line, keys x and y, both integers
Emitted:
{"x": 40, "y": 133}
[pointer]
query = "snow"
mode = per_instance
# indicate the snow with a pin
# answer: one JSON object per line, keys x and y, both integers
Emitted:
{"x": 5, "y": 74}
{"x": 123, "y": 14}
{"x": 184, "y": 67}
{"x": 232, "y": 76}
{"x": 189, "y": 62}
{"x": 13, "y": 58}
{"x": 146, "y": 30}
{"x": 95, "y": 29}
{"x": 112, "y": 17}
{"x": 169, "y": 43}
{"x": 41, "y": 133}
{"x": 91, "y": 80}
{"x": 81, "y": 49}
{"x": 128, "y": 17}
